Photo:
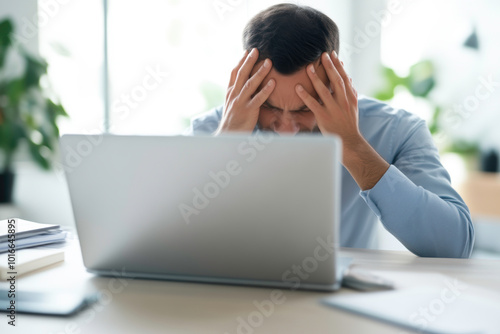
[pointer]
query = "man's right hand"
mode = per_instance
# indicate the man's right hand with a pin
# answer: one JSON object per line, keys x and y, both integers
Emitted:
{"x": 242, "y": 106}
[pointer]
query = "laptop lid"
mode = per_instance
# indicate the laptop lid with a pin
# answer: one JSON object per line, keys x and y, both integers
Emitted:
{"x": 259, "y": 210}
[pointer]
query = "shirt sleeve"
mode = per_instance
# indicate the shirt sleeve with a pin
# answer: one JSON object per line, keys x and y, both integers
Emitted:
{"x": 416, "y": 203}
{"x": 205, "y": 124}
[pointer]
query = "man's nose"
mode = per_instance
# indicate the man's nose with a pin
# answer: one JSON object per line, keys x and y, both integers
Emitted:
{"x": 286, "y": 124}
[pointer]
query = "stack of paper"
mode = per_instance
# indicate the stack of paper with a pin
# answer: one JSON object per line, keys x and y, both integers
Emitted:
{"x": 23, "y": 234}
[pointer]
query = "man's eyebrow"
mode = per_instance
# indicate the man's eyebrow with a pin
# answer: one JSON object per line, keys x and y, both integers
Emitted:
{"x": 304, "y": 107}
{"x": 270, "y": 105}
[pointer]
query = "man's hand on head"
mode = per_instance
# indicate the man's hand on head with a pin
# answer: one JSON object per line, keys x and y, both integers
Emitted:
{"x": 338, "y": 114}
{"x": 243, "y": 102}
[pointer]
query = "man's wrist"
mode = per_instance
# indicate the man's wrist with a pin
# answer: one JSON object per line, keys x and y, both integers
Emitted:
{"x": 364, "y": 164}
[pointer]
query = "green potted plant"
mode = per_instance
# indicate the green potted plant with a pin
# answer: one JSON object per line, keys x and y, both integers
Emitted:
{"x": 28, "y": 115}
{"x": 420, "y": 82}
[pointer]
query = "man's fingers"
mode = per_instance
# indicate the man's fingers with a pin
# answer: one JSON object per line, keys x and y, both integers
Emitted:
{"x": 339, "y": 67}
{"x": 252, "y": 84}
{"x": 262, "y": 96}
{"x": 235, "y": 70}
{"x": 336, "y": 81}
{"x": 323, "y": 92}
{"x": 308, "y": 100}
{"x": 350, "y": 91}
{"x": 245, "y": 70}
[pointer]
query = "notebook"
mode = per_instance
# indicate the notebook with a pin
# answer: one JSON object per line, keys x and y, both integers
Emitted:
{"x": 27, "y": 260}
{"x": 449, "y": 309}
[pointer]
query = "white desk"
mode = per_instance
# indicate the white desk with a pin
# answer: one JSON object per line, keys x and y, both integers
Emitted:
{"x": 149, "y": 306}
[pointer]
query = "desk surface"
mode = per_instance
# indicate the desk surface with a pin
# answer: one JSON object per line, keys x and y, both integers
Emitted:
{"x": 150, "y": 306}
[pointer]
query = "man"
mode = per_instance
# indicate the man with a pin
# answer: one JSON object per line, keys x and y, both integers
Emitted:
{"x": 291, "y": 80}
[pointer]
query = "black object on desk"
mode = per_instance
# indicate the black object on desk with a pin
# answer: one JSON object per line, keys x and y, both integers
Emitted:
{"x": 47, "y": 303}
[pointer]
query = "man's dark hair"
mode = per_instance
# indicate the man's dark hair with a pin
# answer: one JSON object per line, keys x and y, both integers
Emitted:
{"x": 291, "y": 36}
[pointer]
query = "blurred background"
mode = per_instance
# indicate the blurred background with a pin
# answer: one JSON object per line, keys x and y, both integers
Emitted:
{"x": 148, "y": 67}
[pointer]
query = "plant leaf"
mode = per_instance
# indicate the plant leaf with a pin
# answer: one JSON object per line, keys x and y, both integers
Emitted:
{"x": 390, "y": 81}
{"x": 6, "y": 29}
{"x": 39, "y": 158}
{"x": 34, "y": 70}
{"x": 15, "y": 89}
{"x": 421, "y": 78}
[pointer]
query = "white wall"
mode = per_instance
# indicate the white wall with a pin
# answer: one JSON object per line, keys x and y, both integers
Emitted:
{"x": 24, "y": 15}
{"x": 38, "y": 195}
{"x": 42, "y": 196}
{"x": 363, "y": 48}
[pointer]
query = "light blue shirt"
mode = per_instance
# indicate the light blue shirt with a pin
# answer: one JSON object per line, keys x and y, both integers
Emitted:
{"x": 414, "y": 199}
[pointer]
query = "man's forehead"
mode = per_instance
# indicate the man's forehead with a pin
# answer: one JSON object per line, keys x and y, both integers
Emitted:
{"x": 317, "y": 65}
{"x": 284, "y": 95}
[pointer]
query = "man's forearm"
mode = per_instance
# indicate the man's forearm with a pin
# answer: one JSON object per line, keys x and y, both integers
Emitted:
{"x": 425, "y": 223}
{"x": 364, "y": 164}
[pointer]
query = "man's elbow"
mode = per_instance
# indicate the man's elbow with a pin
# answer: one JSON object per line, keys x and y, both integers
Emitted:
{"x": 451, "y": 245}
{"x": 463, "y": 244}
{"x": 469, "y": 237}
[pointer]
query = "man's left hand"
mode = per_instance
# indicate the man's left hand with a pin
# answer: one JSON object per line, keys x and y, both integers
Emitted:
{"x": 338, "y": 114}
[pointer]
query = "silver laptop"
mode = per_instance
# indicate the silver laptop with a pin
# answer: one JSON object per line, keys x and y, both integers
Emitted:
{"x": 255, "y": 210}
